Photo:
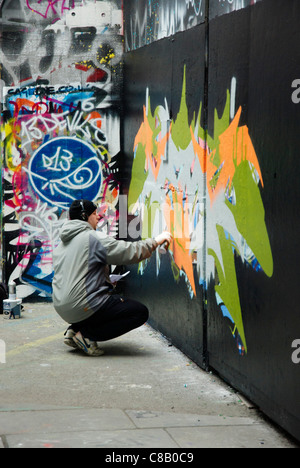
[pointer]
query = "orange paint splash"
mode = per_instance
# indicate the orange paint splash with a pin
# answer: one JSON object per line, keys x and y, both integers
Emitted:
{"x": 154, "y": 147}
{"x": 177, "y": 219}
{"x": 234, "y": 148}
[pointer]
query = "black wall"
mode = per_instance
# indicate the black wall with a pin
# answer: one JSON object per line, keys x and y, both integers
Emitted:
{"x": 160, "y": 68}
{"x": 263, "y": 57}
{"x": 253, "y": 57}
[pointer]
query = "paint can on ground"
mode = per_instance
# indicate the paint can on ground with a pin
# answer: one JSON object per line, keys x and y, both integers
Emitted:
{"x": 12, "y": 309}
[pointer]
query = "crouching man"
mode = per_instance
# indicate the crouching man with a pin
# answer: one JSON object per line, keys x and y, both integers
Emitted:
{"x": 82, "y": 291}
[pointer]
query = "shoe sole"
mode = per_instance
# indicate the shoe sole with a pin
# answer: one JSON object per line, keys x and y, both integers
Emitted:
{"x": 71, "y": 343}
{"x": 87, "y": 350}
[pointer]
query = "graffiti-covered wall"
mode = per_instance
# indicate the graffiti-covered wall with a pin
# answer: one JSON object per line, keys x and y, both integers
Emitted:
{"x": 147, "y": 22}
{"x": 210, "y": 137}
{"x": 61, "y": 81}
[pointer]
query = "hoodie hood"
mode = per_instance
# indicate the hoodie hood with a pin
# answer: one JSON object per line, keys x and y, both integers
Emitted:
{"x": 72, "y": 228}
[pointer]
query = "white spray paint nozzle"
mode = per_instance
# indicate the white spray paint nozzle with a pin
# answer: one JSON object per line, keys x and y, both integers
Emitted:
{"x": 163, "y": 249}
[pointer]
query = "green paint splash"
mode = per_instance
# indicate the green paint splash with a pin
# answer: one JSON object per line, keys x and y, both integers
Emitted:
{"x": 181, "y": 133}
{"x": 138, "y": 177}
{"x": 249, "y": 215}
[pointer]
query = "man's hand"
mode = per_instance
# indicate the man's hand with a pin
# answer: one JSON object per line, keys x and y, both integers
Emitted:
{"x": 163, "y": 238}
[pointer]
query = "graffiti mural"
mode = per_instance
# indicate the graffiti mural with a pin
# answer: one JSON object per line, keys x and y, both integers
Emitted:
{"x": 60, "y": 128}
{"x": 222, "y": 7}
{"x": 186, "y": 181}
{"x": 152, "y": 20}
{"x": 52, "y": 11}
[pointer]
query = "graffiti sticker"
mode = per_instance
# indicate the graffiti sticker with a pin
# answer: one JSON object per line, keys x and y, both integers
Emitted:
{"x": 65, "y": 169}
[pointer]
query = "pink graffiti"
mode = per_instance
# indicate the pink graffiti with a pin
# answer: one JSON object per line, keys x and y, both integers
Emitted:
{"x": 48, "y": 7}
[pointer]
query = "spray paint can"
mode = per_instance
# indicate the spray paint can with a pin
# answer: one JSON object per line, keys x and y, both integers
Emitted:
{"x": 12, "y": 309}
{"x": 163, "y": 249}
{"x": 12, "y": 291}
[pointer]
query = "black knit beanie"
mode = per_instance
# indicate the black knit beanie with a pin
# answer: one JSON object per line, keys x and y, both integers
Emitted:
{"x": 81, "y": 209}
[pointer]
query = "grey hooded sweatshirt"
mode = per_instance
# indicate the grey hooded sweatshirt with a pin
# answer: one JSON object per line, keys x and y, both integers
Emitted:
{"x": 81, "y": 282}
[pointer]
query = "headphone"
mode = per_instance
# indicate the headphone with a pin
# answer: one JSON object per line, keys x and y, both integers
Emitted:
{"x": 84, "y": 216}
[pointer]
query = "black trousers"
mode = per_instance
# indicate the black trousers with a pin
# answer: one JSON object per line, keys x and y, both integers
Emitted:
{"x": 117, "y": 317}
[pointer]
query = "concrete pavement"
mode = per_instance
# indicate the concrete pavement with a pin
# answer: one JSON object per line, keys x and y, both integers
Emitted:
{"x": 143, "y": 393}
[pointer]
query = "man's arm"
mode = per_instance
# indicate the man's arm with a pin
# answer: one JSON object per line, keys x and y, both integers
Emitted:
{"x": 128, "y": 253}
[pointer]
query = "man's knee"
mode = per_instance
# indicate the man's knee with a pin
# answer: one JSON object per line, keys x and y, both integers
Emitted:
{"x": 145, "y": 313}
{"x": 142, "y": 311}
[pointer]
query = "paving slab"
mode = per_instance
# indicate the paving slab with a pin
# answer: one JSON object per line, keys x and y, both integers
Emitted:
{"x": 76, "y": 420}
{"x": 143, "y": 419}
{"x": 257, "y": 436}
{"x": 134, "y": 438}
{"x": 118, "y": 429}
